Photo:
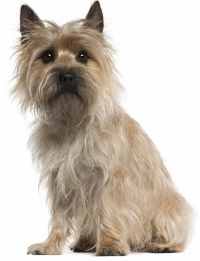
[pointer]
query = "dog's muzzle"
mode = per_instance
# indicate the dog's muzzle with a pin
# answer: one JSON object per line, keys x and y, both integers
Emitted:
{"x": 68, "y": 82}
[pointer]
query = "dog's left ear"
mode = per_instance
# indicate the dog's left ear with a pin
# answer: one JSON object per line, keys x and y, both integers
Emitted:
{"x": 94, "y": 18}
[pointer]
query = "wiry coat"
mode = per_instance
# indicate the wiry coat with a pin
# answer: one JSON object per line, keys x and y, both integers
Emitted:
{"x": 111, "y": 177}
{"x": 106, "y": 181}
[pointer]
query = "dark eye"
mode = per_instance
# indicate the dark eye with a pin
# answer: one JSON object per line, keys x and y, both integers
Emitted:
{"x": 48, "y": 56}
{"x": 82, "y": 56}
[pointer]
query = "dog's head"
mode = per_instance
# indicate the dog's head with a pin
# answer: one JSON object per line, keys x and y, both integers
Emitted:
{"x": 63, "y": 71}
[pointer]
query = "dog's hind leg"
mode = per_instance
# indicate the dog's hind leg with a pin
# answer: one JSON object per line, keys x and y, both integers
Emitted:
{"x": 171, "y": 226}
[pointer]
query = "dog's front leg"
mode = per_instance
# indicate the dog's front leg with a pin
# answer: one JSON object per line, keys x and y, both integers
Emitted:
{"x": 53, "y": 245}
{"x": 110, "y": 239}
{"x": 111, "y": 235}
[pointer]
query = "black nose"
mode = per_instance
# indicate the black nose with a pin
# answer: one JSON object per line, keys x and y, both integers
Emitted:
{"x": 67, "y": 82}
{"x": 67, "y": 79}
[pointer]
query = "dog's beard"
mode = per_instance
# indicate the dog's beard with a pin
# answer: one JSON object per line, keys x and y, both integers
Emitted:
{"x": 65, "y": 107}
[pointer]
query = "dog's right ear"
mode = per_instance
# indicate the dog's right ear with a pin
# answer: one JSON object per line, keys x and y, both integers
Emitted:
{"x": 28, "y": 19}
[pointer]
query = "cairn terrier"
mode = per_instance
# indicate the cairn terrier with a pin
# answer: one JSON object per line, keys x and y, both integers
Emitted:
{"x": 107, "y": 185}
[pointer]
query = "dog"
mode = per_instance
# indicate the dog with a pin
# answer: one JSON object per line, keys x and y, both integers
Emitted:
{"x": 107, "y": 184}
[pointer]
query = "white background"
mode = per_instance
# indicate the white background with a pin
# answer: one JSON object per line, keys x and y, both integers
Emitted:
{"x": 158, "y": 56}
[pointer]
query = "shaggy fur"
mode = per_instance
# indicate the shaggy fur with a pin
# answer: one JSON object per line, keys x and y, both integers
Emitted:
{"x": 107, "y": 184}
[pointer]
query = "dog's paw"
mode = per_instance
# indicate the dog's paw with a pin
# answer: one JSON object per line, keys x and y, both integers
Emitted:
{"x": 107, "y": 251}
{"x": 37, "y": 249}
{"x": 78, "y": 249}
{"x": 84, "y": 244}
{"x": 42, "y": 249}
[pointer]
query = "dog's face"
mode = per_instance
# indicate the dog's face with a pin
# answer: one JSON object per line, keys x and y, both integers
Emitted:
{"x": 63, "y": 71}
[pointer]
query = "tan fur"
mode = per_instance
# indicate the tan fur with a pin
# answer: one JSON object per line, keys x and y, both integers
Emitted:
{"x": 105, "y": 178}
{"x": 51, "y": 246}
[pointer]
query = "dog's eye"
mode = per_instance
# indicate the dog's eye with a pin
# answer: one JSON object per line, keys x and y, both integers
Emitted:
{"x": 82, "y": 56}
{"x": 48, "y": 56}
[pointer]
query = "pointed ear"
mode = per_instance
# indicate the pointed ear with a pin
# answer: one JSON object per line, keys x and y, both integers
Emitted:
{"x": 94, "y": 18}
{"x": 28, "y": 18}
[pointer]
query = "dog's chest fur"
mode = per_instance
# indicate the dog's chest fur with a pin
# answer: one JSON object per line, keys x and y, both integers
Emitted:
{"x": 74, "y": 165}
